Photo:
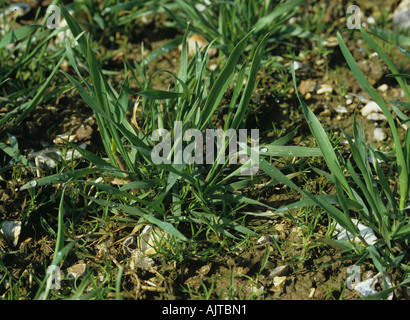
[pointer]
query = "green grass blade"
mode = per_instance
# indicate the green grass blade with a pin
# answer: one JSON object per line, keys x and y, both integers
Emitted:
{"x": 224, "y": 79}
{"x": 323, "y": 141}
{"x": 118, "y": 283}
{"x": 269, "y": 21}
{"x": 159, "y": 94}
{"x": 39, "y": 95}
{"x": 388, "y": 62}
{"x": 331, "y": 199}
{"x": 115, "y": 191}
{"x": 401, "y": 163}
{"x": 289, "y": 151}
{"x": 250, "y": 84}
{"x": 18, "y": 34}
{"x": 76, "y": 30}
{"x": 237, "y": 91}
{"x": 340, "y": 217}
{"x": 60, "y": 223}
{"x": 59, "y": 178}
{"x": 134, "y": 210}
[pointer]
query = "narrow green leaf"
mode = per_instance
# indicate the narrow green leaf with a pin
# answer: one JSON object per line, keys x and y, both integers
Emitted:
{"x": 402, "y": 170}
{"x": 18, "y": 34}
{"x": 331, "y": 199}
{"x": 59, "y": 178}
{"x": 218, "y": 88}
{"x": 250, "y": 84}
{"x": 343, "y": 219}
{"x": 284, "y": 140}
{"x": 39, "y": 95}
{"x": 289, "y": 151}
{"x": 377, "y": 259}
{"x": 266, "y": 22}
{"x": 398, "y": 75}
{"x": 388, "y": 62}
{"x": 60, "y": 224}
{"x": 159, "y": 94}
{"x": 76, "y": 30}
{"x": 169, "y": 46}
{"x": 322, "y": 141}
{"x": 134, "y": 210}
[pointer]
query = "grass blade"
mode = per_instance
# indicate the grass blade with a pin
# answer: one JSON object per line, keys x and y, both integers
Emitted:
{"x": 224, "y": 79}
{"x": 18, "y": 34}
{"x": 340, "y": 217}
{"x": 323, "y": 142}
{"x": 401, "y": 163}
{"x": 290, "y": 151}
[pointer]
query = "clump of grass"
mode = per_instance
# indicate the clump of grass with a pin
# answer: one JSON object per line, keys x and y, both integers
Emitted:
{"x": 180, "y": 198}
{"x": 183, "y": 194}
{"x": 228, "y": 22}
{"x": 25, "y": 83}
{"x": 363, "y": 188}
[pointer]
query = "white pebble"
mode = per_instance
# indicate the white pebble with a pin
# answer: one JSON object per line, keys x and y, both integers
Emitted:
{"x": 383, "y": 87}
{"x": 371, "y": 107}
{"x": 378, "y": 134}
{"x": 341, "y": 109}
{"x": 371, "y": 20}
{"x": 376, "y": 117}
{"x": 325, "y": 88}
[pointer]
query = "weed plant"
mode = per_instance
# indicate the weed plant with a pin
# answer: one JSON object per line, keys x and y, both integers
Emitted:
{"x": 196, "y": 203}
{"x": 228, "y": 22}
{"x": 364, "y": 193}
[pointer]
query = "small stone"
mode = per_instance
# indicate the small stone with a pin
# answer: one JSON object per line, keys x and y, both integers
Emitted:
{"x": 371, "y": 107}
{"x": 140, "y": 260}
{"x": 378, "y": 134}
{"x": 201, "y": 41}
{"x": 325, "y": 88}
{"x": 279, "y": 282}
{"x": 401, "y": 16}
{"x": 341, "y": 109}
{"x": 84, "y": 132}
{"x": 257, "y": 290}
{"x": 60, "y": 138}
{"x": 376, "y": 117}
{"x": 299, "y": 66}
{"x": 265, "y": 240}
{"x": 150, "y": 238}
{"x": 213, "y": 67}
{"x": 278, "y": 272}
{"x": 77, "y": 270}
{"x": 331, "y": 42}
{"x": 371, "y": 20}
{"x": 306, "y": 86}
{"x": 11, "y": 230}
{"x": 204, "y": 270}
{"x": 349, "y": 101}
{"x": 383, "y": 88}
{"x": 325, "y": 113}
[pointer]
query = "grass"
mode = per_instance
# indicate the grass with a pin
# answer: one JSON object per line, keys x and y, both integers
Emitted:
{"x": 377, "y": 205}
{"x": 229, "y": 22}
{"x": 85, "y": 209}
